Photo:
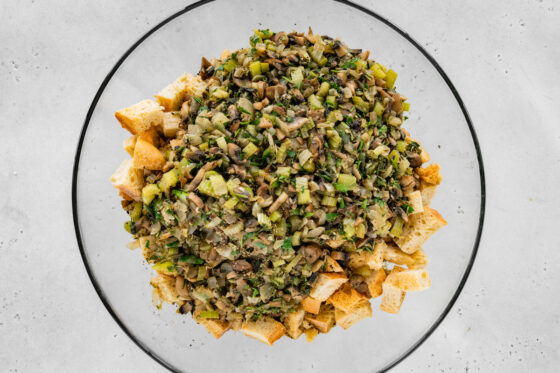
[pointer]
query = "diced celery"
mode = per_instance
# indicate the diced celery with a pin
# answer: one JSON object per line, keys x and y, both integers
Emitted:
{"x": 264, "y": 67}
{"x": 334, "y": 139}
{"x": 205, "y": 187}
{"x": 275, "y": 216}
{"x": 220, "y": 93}
{"x": 381, "y": 150}
{"x": 245, "y": 106}
{"x": 136, "y": 212}
{"x": 363, "y": 271}
{"x": 203, "y": 146}
{"x": 406, "y": 106}
{"x": 128, "y": 226}
{"x": 280, "y": 228}
{"x": 334, "y": 116}
{"x": 281, "y": 153}
{"x": 250, "y": 149}
{"x": 314, "y": 102}
{"x": 222, "y": 143}
{"x": 293, "y": 263}
{"x": 309, "y": 166}
{"x": 323, "y": 89}
{"x": 149, "y": 192}
{"x": 401, "y": 146}
{"x": 360, "y": 104}
{"x": 218, "y": 183}
{"x": 278, "y": 263}
{"x": 296, "y": 238}
{"x": 230, "y": 65}
{"x": 390, "y": 78}
{"x": 361, "y": 64}
{"x": 255, "y": 68}
{"x": 284, "y": 171}
{"x": 297, "y": 77}
{"x": 361, "y": 230}
{"x": 378, "y": 71}
{"x": 209, "y": 315}
{"x": 329, "y": 201}
{"x": 168, "y": 180}
{"x": 264, "y": 220}
{"x": 303, "y": 194}
{"x": 331, "y": 101}
{"x": 348, "y": 181}
{"x": 219, "y": 120}
{"x": 230, "y": 203}
{"x": 201, "y": 273}
{"x": 165, "y": 267}
{"x": 378, "y": 108}
{"x": 396, "y": 230}
{"x": 348, "y": 225}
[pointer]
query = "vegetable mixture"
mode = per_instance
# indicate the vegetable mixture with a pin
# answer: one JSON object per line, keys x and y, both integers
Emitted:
{"x": 288, "y": 160}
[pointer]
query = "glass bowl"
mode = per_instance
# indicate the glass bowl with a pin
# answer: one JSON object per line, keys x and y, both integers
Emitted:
{"x": 120, "y": 276}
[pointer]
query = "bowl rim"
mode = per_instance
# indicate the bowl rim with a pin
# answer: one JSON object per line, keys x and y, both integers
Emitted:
{"x": 358, "y": 7}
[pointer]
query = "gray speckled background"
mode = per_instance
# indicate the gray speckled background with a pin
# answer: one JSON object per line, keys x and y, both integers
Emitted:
{"x": 502, "y": 57}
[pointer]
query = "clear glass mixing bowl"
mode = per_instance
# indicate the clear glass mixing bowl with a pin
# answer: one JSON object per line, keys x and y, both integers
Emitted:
{"x": 438, "y": 119}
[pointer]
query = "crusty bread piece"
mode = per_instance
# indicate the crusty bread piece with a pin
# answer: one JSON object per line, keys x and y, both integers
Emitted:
{"x": 310, "y": 334}
{"x": 145, "y": 242}
{"x": 171, "y": 124}
{"x": 428, "y": 191}
{"x": 293, "y": 323}
{"x": 323, "y": 321}
{"x": 430, "y": 174}
{"x": 395, "y": 255}
{"x": 311, "y": 305}
{"x": 415, "y": 200}
{"x": 418, "y": 229}
{"x": 172, "y": 96}
{"x": 332, "y": 265}
{"x": 373, "y": 260}
{"x": 129, "y": 144}
{"x": 225, "y": 54}
{"x": 128, "y": 180}
{"x": 195, "y": 86}
{"x": 265, "y": 329}
{"x": 326, "y": 284}
{"x": 150, "y": 136}
{"x": 346, "y": 298}
{"x": 165, "y": 287}
{"x": 393, "y": 297}
{"x": 374, "y": 282}
{"x": 424, "y": 156}
{"x": 141, "y": 116}
{"x": 410, "y": 280}
{"x": 358, "y": 313}
{"x": 147, "y": 156}
{"x": 215, "y": 327}
{"x": 420, "y": 260}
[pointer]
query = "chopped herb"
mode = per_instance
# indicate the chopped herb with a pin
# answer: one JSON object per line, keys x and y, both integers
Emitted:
{"x": 331, "y": 216}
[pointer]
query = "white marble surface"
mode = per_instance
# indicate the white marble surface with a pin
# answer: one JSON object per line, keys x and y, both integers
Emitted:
{"x": 503, "y": 58}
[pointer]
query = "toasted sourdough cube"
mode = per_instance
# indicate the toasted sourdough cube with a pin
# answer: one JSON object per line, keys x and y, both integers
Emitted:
{"x": 171, "y": 124}
{"x": 265, "y": 329}
{"x": 311, "y": 305}
{"x": 424, "y": 156}
{"x": 395, "y": 255}
{"x": 393, "y": 297}
{"x": 141, "y": 116}
{"x": 164, "y": 286}
{"x": 375, "y": 281}
{"x": 310, "y": 334}
{"x": 430, "y": 174}
{"x": 150, "y": 136}
{"x": 215, "y": 327}
{"x": 418, "y": 229}
{"x": 415, "y": 201}
{"x": 346, "y": 298}
{"x": 323, "y": 321}
{"x": 420, "y": 260}
{"x": 358, "y": 313}
{"x": 129, "y": 144}
{"x": 293, "y": 323}
{"x": 373, "y": 260}
{"x": 147, "y": 156}
{"x": 172, "y": 96}
{"x": 332, "y": 265}
{"x": 225, "y": 54}
{"x": 410, "y": 280}
{"x": 428, "y": 191}
{"x": 326, "y": 284}
{"x": 129, "y": 180}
